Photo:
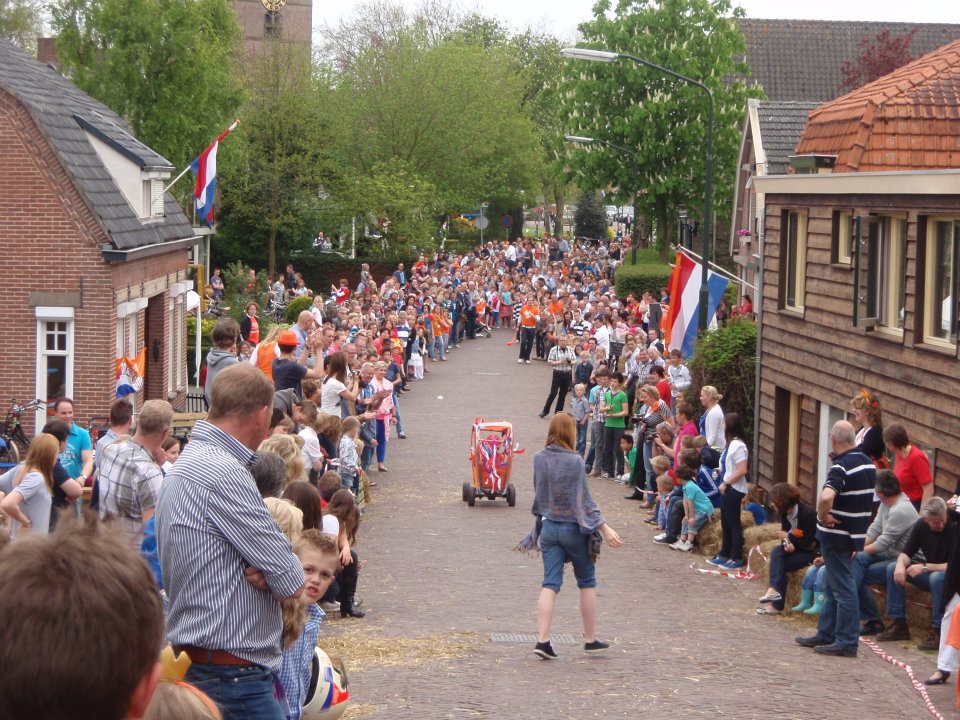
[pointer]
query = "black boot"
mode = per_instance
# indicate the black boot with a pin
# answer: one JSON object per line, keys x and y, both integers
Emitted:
{"x": 349, "y": 609}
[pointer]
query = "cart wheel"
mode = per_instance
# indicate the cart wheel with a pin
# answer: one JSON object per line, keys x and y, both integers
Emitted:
{"x": 471, "y": 495}
{"x": 467, "y": 491}
{"x": 511, "y": 495}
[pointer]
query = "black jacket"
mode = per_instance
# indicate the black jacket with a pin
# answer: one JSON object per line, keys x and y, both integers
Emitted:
{"x": 805, "y": 536}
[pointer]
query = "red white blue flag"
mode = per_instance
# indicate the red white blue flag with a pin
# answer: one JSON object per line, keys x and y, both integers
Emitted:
{"x": 205, "y": 170}
{"x": 683, "y": 316}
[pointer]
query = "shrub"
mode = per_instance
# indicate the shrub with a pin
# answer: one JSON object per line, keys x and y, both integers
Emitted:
{"x": 295, "y": 307}
{"x": 635, "y": 279}
{"x": 726, "y": 359}
{"x": 206, "y": 327}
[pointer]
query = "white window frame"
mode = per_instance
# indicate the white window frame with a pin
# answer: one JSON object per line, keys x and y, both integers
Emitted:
{"x": 843, "y": 240}
{"x": 931, "y": 271}
{"x": 880, "y": 281}
{"x": 794, "y": 266}
{"x": 43, "y": 315}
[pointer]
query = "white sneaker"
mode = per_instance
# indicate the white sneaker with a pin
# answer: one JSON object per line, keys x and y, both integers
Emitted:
{"x": 519, "y": 360}
{"x": 527, "y": 362}
{"x": 678, "y": 545}
{"x": 685, "y": 546}
{"x": 660, "y": 538}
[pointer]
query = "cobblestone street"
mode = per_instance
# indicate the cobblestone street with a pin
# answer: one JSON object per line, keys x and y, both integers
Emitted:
{"x": 440, "y": 575}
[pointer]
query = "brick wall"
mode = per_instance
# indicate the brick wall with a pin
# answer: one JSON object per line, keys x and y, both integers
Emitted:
{"x": 50, "y": 241}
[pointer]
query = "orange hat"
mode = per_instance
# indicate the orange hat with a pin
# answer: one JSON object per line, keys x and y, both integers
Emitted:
{"x": 288, "y": 338}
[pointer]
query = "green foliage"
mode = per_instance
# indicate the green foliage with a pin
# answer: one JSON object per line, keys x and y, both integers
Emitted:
{"x": 237, "y": 289}
{"x": 660, "y": 119}
{"x": 402, "y": 203}
{"x": 590, "y": 220}
{"x": 461, "y": 228}
{"x": 726, "y": 359}
{"x": 168, "y": 67}
{"x": 21, "y": 22}
{"x": 295, "y": 307}
{"x": 448, "y": 107}
{"x": 206, "y": 327}
{"x": 275, "y": 170}
{"x": 650, "y": 273}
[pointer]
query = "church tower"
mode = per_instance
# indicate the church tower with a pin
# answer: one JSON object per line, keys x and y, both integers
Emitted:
{"x": 287, "y": 20}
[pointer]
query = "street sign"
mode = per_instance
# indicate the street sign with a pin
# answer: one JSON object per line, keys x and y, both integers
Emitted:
{"x": 482, "y": 222}
{"x": 507, "y": 220}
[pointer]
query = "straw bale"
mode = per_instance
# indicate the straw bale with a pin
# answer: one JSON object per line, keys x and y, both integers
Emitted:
{"x": 710, "y": 536}
{"x": 759, "y": 534}
{"x": 760, "y": 564}
{"x": 358, "y": 710}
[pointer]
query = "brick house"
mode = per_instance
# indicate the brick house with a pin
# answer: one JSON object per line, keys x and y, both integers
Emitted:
{"x": 95, "y": 252}
{"x": 861, "y": 273}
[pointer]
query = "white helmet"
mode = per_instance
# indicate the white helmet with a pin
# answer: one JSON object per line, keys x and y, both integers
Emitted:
{"x": 327, "y": 696}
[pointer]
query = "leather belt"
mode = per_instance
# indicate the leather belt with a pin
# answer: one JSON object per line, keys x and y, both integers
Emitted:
{"x": 211, "y": 657}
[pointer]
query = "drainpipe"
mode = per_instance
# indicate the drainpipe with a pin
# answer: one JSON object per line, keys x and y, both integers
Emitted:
{"x": 758, "y": 303}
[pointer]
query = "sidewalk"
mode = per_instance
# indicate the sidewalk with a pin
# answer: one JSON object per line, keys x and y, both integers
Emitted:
{"x": 440, "y": 579}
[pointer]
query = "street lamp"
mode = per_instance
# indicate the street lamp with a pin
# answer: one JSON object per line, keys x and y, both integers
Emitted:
{"x": 607, "y": 56}
{"x": 582, "y": 140}
{"x": 482, "y": 221}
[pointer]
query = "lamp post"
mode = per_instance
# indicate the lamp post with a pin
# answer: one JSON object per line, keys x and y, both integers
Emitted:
{"x": 590, "y": 141}
{"x": 607, "y": 56}
{"x": 481, "y": 222}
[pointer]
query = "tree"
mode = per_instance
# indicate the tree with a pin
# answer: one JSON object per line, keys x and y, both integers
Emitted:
{"x": 21, "y": 22}
{"x": 879, "y": 56}
{"x": 590, "y": 220}
{"x": 450, "y": 109}
{"x": 659, "y": 118}
{"x": 277, "y": 167}
{"x": 167, "y": 67}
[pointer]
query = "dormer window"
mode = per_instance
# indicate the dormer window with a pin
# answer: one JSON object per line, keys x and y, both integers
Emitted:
{"x": 151, "y": 197}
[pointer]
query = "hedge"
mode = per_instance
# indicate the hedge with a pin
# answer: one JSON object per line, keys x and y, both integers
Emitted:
{"x": 295, "y": 307}
{"x": 321, "y": 270}
{"x": 637, "y": 279}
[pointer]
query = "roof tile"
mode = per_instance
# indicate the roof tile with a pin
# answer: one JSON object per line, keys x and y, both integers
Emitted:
{"x": 903, "y": 121}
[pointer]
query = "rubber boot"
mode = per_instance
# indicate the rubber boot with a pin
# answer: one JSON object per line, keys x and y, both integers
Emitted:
{"x": 817, "y": 606}
{"x": 348, "y": 590}
{"x": 806, "y": 601}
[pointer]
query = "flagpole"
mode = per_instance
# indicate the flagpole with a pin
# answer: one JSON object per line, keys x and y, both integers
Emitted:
{"x": 716, "y": 268}
{"x": 222, "y": 135}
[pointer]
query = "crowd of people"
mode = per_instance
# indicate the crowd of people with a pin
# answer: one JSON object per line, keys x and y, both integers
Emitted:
{"x": 249, "y": 528}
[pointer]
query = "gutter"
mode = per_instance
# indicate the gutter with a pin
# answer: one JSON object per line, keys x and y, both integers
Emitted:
{"x": 113, "y": 255}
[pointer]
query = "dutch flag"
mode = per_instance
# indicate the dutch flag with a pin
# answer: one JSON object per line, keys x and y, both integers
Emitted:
{"x": 683, "y": 316}
{"x": 205, "y": 170}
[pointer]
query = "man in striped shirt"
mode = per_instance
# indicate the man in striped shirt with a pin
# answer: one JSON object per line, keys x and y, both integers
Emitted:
{"x": 562, "y": 357}
{"x": 226, "y": 565}
{"x": 843, "y": 516}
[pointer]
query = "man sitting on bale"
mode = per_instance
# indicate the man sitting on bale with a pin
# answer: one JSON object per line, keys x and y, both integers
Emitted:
{"x": 886, "y": 538}
{"x": 923, "y": 563}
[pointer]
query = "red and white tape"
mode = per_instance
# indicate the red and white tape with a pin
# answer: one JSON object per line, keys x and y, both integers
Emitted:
{"x": 741, "y": 574}
{"x": 918, "y": 686}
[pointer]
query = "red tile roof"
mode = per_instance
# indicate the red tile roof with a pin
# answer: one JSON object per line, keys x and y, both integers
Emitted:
{"x": 907, "y": 120}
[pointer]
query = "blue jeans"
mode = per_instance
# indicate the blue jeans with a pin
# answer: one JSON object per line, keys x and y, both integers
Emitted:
{"x": 869, "y": 570}
{"x": 897, "y": 594}
{"x": 649, "y": 477}
{"x": 560, "y": 541}
{"x": 783, "y": 562}
{"x": 382, "y": 440}
{"x": 840, "y": 619}
{"x": 437, "y": 347}
{"x": 241, "y": 692}
{"x": 396, "y": 411}
{"x": 595, "y": 456}
{"x": 582, "y": 438}
{"x": 814, "y": 579}
{"x": 455, "y": 330}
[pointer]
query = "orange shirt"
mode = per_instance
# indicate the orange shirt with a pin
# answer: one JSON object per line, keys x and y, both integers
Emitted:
{"x": 556, "y": 307}
{"x": 529, "y": 314}
{"x": 266, "y": 354}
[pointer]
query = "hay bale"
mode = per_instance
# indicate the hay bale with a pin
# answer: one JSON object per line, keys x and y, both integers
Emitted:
{"x": 710, "y": 536}
{"x": 747, "y": 520}
{"x": 759, "y": 534}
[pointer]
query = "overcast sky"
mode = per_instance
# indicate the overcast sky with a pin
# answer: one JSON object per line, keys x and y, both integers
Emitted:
{"x": 561, "y": 17}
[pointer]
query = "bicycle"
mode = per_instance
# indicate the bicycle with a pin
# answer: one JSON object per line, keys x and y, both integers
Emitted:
{"x": 12, "y": 437}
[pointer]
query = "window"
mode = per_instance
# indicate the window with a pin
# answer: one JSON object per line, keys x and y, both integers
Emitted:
{"x": 942, "y": 280}
{"x": 880, "y": 263}
{"x": 54, "y": 370}
{"x": 841, "y": 237}
{"x": 793, "y": 259}
{"x": 272, "y": 24}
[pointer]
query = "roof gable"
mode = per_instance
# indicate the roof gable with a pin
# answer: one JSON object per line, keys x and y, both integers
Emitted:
{"x": 907, "y": 120}
{"x": 780, "y": 125}
{"x": 64, "y": 114}
{"x": 802, "y": 59}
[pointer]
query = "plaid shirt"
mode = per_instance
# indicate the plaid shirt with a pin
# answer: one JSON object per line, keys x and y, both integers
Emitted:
{"x": 294, "y": 675}
{"x": 130, "y": 480}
